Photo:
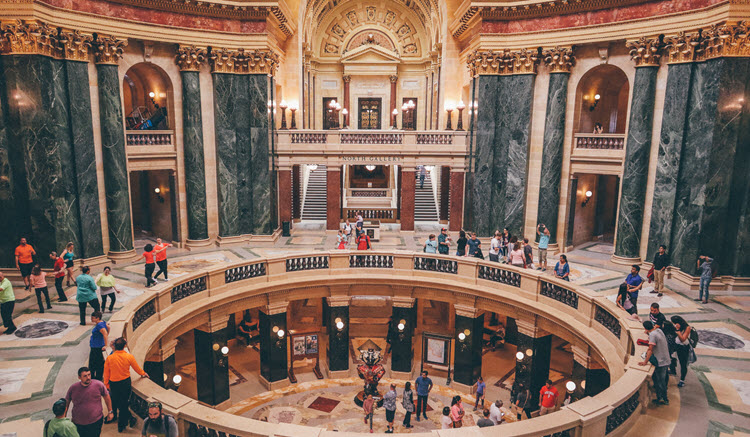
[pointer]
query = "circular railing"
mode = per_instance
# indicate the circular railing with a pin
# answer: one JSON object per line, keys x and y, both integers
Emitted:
{"x": 171, "y": 308}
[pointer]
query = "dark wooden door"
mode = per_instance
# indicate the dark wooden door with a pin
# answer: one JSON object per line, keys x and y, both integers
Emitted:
{"x": 369, "y": 113}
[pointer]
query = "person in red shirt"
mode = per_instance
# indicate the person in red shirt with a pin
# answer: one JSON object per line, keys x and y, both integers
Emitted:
{"x": 363, "y": 242}
{"x": 161, "y": 258}
{"x": 25, "y": 260}
{"x": 547, "y": 398}
{"x": 59, "y": 270}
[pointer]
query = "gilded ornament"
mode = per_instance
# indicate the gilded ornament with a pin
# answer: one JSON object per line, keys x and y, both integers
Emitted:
{"x": 338, "y": 31}
{"x": 371, "y": 13}
{"x": 728, "y": 40}
{"x": 559, "y": 59}
{"x": 503, "y": 62}
{"x": 683, "y": 47}
{"x": 75, "y": 45}
{"x": 190, "y": 58}
{"x": 410, "y": 49}
{"x": 29, "y": 38}
{"x": 108, "y": 49}
{"x": 352, "y": 17}
{"x": 390, "y": 17}
{"x": 403, "y": 31}
{"x": 241, "y": 62}
{"x": 646, "y": 52}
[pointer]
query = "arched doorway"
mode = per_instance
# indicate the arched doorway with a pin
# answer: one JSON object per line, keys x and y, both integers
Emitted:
{"x": 602, "y": 98}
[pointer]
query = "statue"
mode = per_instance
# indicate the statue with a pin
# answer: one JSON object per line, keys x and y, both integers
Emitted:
{"x": 371, "y": 371}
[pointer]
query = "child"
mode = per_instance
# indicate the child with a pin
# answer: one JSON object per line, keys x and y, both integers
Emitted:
{"x": 367, "y": 406}
{"x": 445, "y": 420}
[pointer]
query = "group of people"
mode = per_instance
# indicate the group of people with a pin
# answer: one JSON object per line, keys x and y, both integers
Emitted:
{"x": 155, "y": 256}
{"x": 348, "y": 231}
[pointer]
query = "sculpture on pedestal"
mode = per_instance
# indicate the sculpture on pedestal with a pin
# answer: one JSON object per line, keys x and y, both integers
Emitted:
{"x": 371, "y": 371}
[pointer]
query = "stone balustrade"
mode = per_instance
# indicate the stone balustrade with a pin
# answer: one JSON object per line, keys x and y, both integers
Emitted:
{"x": 600, "y": 141}
{"x": 149, "y": 138}
{"x": 169, "y": 309}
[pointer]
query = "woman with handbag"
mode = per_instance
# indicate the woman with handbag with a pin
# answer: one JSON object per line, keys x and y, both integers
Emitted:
{"x": 684, "y": 346}
{"x": 457, "y": 412}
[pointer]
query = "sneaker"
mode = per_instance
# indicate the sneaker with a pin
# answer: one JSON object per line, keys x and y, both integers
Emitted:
{"x": 10, "y": 331}
{"x": 418, "y": 419}
{"x": 166, "y": 279}
{"x": 660, "y": 295}
{"x": 697, "y": 299}
{"x": 653, "y": 291}
{"x": 155, "y": 281}
{"x": 681, "y": 384}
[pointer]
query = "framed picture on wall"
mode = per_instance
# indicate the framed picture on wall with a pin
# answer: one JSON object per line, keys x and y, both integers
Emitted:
{"x": 298, "y": 345}
{"x": 436, "y": 350}
{"x": 311, "y": 344}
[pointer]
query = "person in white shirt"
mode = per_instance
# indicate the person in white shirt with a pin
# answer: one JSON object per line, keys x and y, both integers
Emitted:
{"x": 496, "y": 415}
{"x": 495, "y": 247}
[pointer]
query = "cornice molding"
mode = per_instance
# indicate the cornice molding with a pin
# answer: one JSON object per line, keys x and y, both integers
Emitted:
{"x": 108, "y": 49}
{"x": 646, "y": 52}
{"x": 241, "y": 62}
{"x": 503, "y": 62}
{"x": 190, "y": 58}
{"x": 559, "y": 59}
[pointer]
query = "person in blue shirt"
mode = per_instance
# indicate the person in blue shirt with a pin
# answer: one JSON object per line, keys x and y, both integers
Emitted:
{"x": 98, "y": 343}
{"x": 705, "y": 267}
{"x": 480, "y": 393}
{"x": 562, "y": 269}
{"x": 423, "y": 385}
{"x": 634, "y": 283}
{"x": 543, "y": 233}
{"x": 431, "y": 245}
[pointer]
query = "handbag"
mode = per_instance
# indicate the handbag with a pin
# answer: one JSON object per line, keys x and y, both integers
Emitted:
{"x": 692, "y": 358}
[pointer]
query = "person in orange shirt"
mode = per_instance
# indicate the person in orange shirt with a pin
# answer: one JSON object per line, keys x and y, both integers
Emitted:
{"x": 25, "y": 260}
{"x": 149, "y": 253}
{"x": 161, "y": 258}
{"x": 117, "y": 379}
{"x": 547, "y": 398}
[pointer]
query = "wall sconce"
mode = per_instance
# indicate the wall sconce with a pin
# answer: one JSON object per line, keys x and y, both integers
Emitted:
{"x": 293, "y": 108}
{"x": 461, "y": 106}
{"x": 401, "y": 325}
{"x": 312, "y": 167}
{"x": 279, "y": 336}
{"x": 283, "y": 105}
{"x": 449, "y": 109}
{"x": 223, "y": 353}
{"x": 339, "y": 324}
{"x": 157, "y": 190}
{"x": 519, "y": 355}
{"x": 370, "y": 167}
{"x": 597, "y": 97}
{"x": 176, "y": 381}
{"x": 588, "y": 197}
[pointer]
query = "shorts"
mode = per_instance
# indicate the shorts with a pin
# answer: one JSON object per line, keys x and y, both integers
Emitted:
{"x": 26, "y": 268}
{"x": 543, "y": 256}
{"x": 390, "y": 415}
{"x": 68, "y": 263}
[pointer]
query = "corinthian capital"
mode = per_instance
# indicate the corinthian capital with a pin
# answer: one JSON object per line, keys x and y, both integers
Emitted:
{"x": 683, "y": 47}
{"x": 75, "y": 45}
{"x": 559, "y": 59}
{"x": 190, "y": 58}
{"x": 646, "y": 52}
{"x": 29, "y": 38}
{"x": 241, "y": 62}
{"x": 726, "y": 40}
{"x": 108, "y": 49}
{"x": 503, "y": 62}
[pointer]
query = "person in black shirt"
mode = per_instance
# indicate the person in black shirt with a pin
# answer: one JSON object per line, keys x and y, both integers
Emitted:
{"x": 461, "y": 244}
{"x": 661, "y": 261}
{"x": 656, "y": 316}
{"x": 246, "y": 328}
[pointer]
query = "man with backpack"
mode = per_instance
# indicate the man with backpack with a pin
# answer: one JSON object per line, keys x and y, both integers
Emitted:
{"x": 159, "y": 424}
{"x": 60, "y": 426}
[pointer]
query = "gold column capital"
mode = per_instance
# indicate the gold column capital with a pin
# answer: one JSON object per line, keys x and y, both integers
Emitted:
{"x": 727, "y": 40}
{"x": 108, "y": 49}
{"x": 503, "y": 62}
{"x": 347, "y": 78}
{"x": 559, "y": 59}
{"x": 29, "y": 38}
{"x": 75, "y": 45}
{"x": 394, "y": 78}
{"x": 241, "y": 62}
{"x": 646, "y": 52}
{"x": 190, "y": 58}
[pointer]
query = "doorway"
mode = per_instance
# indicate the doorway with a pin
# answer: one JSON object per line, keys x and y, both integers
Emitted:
{"x": 369, "y": 113}
{"x": 594, "y": 210}
{"x": 153, "y": 204}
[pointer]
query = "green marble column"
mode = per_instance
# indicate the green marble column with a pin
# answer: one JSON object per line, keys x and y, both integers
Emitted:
{"x": 635, "y": 174}
{"x": 114, "y": 159}
{"x": 263, "y": 179}
{"x": 552, "y": 152}
{"x": 195, "y": 170}
{"x": 482, "y": 179}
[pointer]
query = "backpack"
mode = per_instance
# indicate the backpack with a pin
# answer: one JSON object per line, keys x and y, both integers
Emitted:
{"x": 693, "y": 338}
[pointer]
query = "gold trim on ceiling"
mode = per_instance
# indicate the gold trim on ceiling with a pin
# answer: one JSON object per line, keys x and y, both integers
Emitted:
{"x": 241, "y": 62}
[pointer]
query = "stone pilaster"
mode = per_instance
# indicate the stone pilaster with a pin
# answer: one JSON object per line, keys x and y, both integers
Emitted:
{"x": 456, "y": 200}
{"x": 467, "y": 359}
{"x": 333, "y": 198}
{"x": 161, "y": 365}
{"x": 532, "y": 365}
{"x": 408, "y": 187}
{"x": 273, "y": 345}
{"x": 401, "y": 340}
{"x": 338, "y": 339}
{"x": 211, "y": 365}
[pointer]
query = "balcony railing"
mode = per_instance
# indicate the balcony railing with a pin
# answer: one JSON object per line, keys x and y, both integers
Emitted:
{"x": 600, "y": 141}
{"x": 149, "y": 138}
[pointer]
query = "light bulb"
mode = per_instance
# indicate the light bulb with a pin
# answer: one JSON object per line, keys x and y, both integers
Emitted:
{"x": 345, "y": 111}
{"x": 294, "y": 106}
{"x": 401, "y": 326}
{"x": 519, "y": 355}
{"x": 529, "y": 352}
{"x": 597, "y": 97}
{"x": 157, "y": 190}
{"x": 462, "y": 336}
{"x": 177, "y": 379}
{"x": 589, "y": 193}
{"x": 224, "y": 350}
{"x": 339, "y": 325}
{"x": 570, "y": 385}
{"x": 395, "y": 112}
{"x": 283, "y": 104}
{"x": 280, "y": 333}
{"x": 152, "y": 94}
{"x": 461, "y": 105}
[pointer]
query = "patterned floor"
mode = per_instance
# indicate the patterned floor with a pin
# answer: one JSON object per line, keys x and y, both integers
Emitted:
{"x": 39, "y": 362}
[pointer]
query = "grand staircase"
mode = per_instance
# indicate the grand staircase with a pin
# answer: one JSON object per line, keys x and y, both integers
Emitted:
{"x": 425, "y": 208}
{"x": 314, "y": 207}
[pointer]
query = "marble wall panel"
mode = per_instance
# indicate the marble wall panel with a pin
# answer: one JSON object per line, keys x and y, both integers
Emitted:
{"x": 482, "y": 180}
{"x": 115, "y": 160}
{"x": 226, "y": 155}
{"x": 12, "y": 177}
{"x": 195, "y": 170}
{"x": 242, "y": 122}
{"x": 637, "y": 152}
{"x": 501, "y": 168}
{"x": 264, "y": 202}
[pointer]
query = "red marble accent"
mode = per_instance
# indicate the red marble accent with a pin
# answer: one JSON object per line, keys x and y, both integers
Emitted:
{"x": 151, "y": 16}
{"x": 445, "y": 174}
{"x": 393, "y": 103}
{"x": 324, "y": 404}
{"x": 457, "y": 201}
{"x": 333, "y": 215}
{"x": 285, "y": 195}
{"x": 296, "y": 191}
{"x": 408, "y": 185}
{"x": 593, "y": 18}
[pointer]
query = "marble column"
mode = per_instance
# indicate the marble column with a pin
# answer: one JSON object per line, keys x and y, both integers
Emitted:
{"x": 113, "y": 147}
{"x": 483, "y": 180}
{"x": 160, "y": 366}
{"x": 296, "y": 192}
{"x": 265, "y": 217}
{"x": 532, "y": 369}
{"x": 589, "y": 376}
{"x": 402, "y": 349}
{"x": 347, "y": 84}
{"x": 637, "y": 155}
{"x": 13, "y": 211}
{"x": 467, "y": 360}
{"x": 394, "y": 104}
{"x": 211, "y": 365}
{"x": 273, "y": 347}
{"x": 285, "y": 195}
{"x": 333, "y": 198}
{"x": 445, "y": 175}
{"x": 408, "y": 187}
{"x": 456, "y": 199}
{"x": 192, "y": 143}
{"x": 338, "y": 339}
{"x": 552, "y": 153}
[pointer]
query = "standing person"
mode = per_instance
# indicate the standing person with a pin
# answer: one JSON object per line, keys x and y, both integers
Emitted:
{"x": 408, "y": 404}
{"x": 368, "y": 405}
{"x": 661, "y": 262}
{"x": 562, "y": 269}
{"x": 60, "y": 426}
{"x": 474, "y": 245}
{"x": 157, "y": 423}
{"x": 59, "y": 270}
{"x": 161, "y": 258}
{"x": 431, "y": 244}
{"x": 656, "y": 316}
{"x": 340, "y": 240}
{"x": 485, "y": 421}
{"x": 7, "y": 304}
{"x": 86, "y": 293}
{"x": 517, "y": 257}
{"x": 496, "y": 414}
{"x": 547, "y": 398}
{"x": 457, "y": 412}
{"x": 360, "y": 225}
{"x": 495, "y": 247}
{"x": 512, "y": 244}
{"x": 528, "y": 254}
{"x": 363, "y": 242}
{"x": 148, "y": 254}
{"x": 461, "y": 243}
{"x": 389, "y": 403}
{"x": 706, "y": 270}
{"x": 98, "y": 344}
{"x": 445, "y": 419}
{"x": 423, "y": 385}
{"x": 25, "y": 260}
{"x": 86, "y": 396}
{"x": 117, "y": 379}
{"x": 348, "y": 232}
{"x": 107, "y": 288}
{"x": 634, "y": 283}
{"x": 68, "y": 255}
{"x": 522, "y": 402}
{"x": 444, "y": 242}
{"x": 38, "y": 281}
{"x": 504, "y": 240}
{"x": 543, "y": 232}
{"x": 422, "y": 176}
{"x": 683, "y": 345}
{"x": 659, "y": 349}
{"x": 480, "y": 386}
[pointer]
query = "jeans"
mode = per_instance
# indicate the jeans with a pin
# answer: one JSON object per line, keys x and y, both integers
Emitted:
{"x": 683, "y": 351}
{"x": 82, "y": 308}
{"x": 96, "y": 363}
{"x": 421, "y": 181}
{"x": 39, "y": 292}
{"x": 422, "y": 405}
{"x": 368, "y": 418}
{"x": 704, "y": 288}
{"x": 120, "y": 392}
{"x": 6, "y": 310}
{"x": 112, "y": 299}
{"x": 407, "y": 419}
{"x": 661, "y": 378}
{"x": 60, "y": 292}
{"x": 162, "y": 268}
{"x": 149, "y": 271}
{"x": 90, "y": 430}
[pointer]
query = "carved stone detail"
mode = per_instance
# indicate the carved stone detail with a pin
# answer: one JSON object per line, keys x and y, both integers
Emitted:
{"x": 503, "y": 62}
{"x": 646, "y": 52}
{"x": 726, "y": 41}
{"x": 108, "y": 49}
{"x": 683, "y": 47}
{"x": 559, "y": 59}
{"x": 190, "y": 58}
{"x": 29, "y": 38}
{"x": 241, "y": 62}
{"x": 75, "y": 45}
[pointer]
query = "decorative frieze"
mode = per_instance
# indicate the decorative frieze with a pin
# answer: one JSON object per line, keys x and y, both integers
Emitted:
{"x": 190, "y": 58}
{"x": 559, "y": 59}
{"x": 108, "y": 49}
{"x": 728, "y": 40}
{"x": 646, "y": 52}
{"x": 242, "y": 62}
{"x": 683, "y": 47}
{"x": 29, "y": 38}
{"x": 503, "y": 62}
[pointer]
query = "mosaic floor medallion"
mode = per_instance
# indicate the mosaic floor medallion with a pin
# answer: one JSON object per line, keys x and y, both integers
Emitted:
{"x": 719, "y": 340}
{"x": 41, "y": 329}
{"x": 323, "y": 404}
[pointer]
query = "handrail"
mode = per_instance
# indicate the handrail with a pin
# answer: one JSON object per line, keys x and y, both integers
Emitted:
{"x": 144, "y": 320}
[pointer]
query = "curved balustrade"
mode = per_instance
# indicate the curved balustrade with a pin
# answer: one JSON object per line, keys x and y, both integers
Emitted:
{"x": 574, "y": 310}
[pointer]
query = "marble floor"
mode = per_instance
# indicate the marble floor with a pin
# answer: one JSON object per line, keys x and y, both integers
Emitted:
{"x": 38, "y": 363}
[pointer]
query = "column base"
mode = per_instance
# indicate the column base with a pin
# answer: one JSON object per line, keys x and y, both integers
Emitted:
{"x": 463, "y": 388}
{"x": 196, "y": 244}
{"x": 401, "y": 375}
{"x": 625, "y": 260}
{"x": 122, "y": 257}
{"x": 266, "y": 238}
{"x": 339, "y": 374}
{"x": 246, "y": 238}
{"x": 270, "y": 386}
{"x": 228, "y": 241}
{"x": 721, "y": 283}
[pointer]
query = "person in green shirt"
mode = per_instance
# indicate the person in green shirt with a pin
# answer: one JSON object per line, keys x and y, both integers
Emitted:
{"x": 7, "y": 303}
{"x": 60, "y": 426}
{"x": 107, "y": 288}
{"x": 86, "y": 293}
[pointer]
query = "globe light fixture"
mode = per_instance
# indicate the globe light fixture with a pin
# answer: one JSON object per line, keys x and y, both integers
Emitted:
{"x": 570, "y": 386}
{"x": 519, "y": 355}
